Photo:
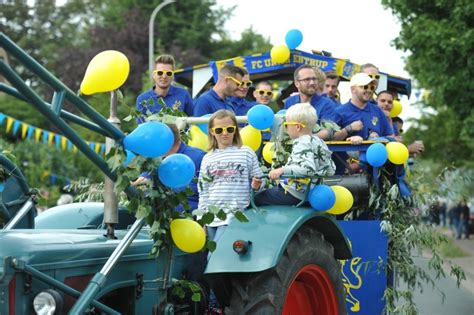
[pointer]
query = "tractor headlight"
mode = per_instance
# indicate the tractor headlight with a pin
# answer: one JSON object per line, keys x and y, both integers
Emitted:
{"x": 47, "y": 302}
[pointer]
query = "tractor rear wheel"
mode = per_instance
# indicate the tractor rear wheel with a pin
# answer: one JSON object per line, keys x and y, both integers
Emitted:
{"x": 306, "y": 280}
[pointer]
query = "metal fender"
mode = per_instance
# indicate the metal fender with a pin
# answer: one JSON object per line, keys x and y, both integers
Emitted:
{"x": 269, "y": 230}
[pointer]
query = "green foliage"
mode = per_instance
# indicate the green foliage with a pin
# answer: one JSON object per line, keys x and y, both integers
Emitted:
{"x": 402, "y": 223}
{"x": 439, "y": 37}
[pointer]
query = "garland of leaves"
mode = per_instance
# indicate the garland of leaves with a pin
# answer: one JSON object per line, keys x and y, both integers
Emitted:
{"x": 407, "y": 236}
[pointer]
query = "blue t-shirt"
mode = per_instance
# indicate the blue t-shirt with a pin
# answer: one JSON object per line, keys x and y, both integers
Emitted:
{"x": 196, "y": 155}
{"x": 323, "y": 105}
{"x": 241, "y": 105}
{"x": 371, "y": 116}
{"x": 176, "y": 97}
{"x": 208, "y": 103}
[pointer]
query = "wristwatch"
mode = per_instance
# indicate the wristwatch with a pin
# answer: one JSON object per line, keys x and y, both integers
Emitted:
{"x": 348, "y": 129}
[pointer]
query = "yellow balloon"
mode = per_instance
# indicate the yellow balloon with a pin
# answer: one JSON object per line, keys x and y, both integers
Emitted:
{"x": 396, "y": 108}
{"x": 197, "y": 138}
{"x": 268, "y": 151}
{"x": 344, "y": 200}
{"x": 187, "y": 235}
{"x": 397, "y": 152}
{"x": 106, "y": 72}
{"x": 251, "y": 137}
{"x": 280, "y": 54}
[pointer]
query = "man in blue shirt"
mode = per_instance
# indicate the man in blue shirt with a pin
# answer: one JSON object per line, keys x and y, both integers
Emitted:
{"x": 238, "y": 101}
{"x": 330, "y": 87}
{"x": 229, "y": 80}
{"x": 196, "y": 156}
{"x": 173, "y": 96}
{"x": 360, "y": 118}
{"x": 310, "y": 82}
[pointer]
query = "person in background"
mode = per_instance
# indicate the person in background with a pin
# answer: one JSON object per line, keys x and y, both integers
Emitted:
{"x": 463, "y": 227}
{"x": 239, "y": 101}
{"x": 263, "y": 93}
{"x": 331, "y": 85}
{"x": 196, "y": 156}
{"x": 230, "y": 79}
{"x": 310, "y": 83}
{"x": 309, "y": 157}
{"x": 173, "y": 96}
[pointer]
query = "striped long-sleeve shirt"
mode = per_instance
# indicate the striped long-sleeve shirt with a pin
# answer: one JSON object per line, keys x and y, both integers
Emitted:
{"x": 310, "y": 157}
{"x": 225, "y": 180}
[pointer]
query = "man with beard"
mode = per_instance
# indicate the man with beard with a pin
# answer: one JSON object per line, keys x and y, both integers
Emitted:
{"x": 229, "y": 81}
{"x": 173, "y": 96}
{"x": 310, "y": 83}
{"x": 369, "y": 118}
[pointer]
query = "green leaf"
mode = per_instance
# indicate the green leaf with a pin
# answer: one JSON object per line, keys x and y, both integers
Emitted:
{"x": 196, "y": 297}
{"x": 221, "y": 215}
{"x": 239, "y": 215}
{"x": 211, "y": 246}
{"x": 207, "y": 218}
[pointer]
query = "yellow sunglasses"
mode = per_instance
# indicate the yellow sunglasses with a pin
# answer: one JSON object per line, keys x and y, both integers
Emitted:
{"x": 239, "y": 83}
{"x": 288, "y": 123}
{"x": 264, "y": 92}
{"x": 227, "y": 129}
{"x": 374, "y": 76}
{"x": 160, "y": 73}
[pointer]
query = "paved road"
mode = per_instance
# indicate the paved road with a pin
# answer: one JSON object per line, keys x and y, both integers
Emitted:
{"x": 458, "y": 301}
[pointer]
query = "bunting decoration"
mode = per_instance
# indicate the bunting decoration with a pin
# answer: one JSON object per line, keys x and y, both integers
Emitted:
{"x": 27, "y": 131}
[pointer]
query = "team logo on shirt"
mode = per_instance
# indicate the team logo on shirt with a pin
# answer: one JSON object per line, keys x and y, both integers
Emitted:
{"x": 375, "y": 120}
{"x": 177, "y": 105}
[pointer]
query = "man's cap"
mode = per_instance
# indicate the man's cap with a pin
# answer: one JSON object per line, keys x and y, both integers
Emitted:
{"x": 360, "y": 79}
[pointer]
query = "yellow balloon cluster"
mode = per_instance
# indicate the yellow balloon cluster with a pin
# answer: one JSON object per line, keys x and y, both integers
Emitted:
{"x": 396, "y": 109}
{"x": 106, "y": 72}
{"x": 187, "y": 235}
{"x": 251, "y": 137}
{"x": 344, "y": 200}
{"x": 397, "y": 152}
{"x": 280, "y": 54}
{"x": 197, "y": 138}
{"x": 267, "y": 152}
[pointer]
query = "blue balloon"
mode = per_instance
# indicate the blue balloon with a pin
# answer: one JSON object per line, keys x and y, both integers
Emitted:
{"x": 293, "y": 38}
{"x": 282, "y": 112}
{"x": 150, "y": 139}
{"x": 376, "y": 155}
{"x": 128, "y": 158}
{"x": 261, "y": 117}
{"x": 322, "y": 197}
{"x": 205, "y": 127}
{"x": 176, "y": 170}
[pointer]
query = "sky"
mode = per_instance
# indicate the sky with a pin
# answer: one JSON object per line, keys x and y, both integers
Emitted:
{"x": 361, "y": 31}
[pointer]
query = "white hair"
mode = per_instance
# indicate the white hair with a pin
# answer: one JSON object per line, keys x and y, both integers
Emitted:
{"x": 303, "y": 113}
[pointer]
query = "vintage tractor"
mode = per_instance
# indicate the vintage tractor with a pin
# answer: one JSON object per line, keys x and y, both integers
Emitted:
{"x": 284, "y": 260}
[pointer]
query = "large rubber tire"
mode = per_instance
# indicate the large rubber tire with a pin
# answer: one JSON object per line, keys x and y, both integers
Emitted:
{"x": 306, "y": 280}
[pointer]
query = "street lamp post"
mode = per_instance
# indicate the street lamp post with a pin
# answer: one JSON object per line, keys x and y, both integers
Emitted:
{"x": 150, "y": 32}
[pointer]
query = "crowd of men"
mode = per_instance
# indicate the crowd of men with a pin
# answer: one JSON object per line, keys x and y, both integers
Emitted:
{"x": 364, "y": 117}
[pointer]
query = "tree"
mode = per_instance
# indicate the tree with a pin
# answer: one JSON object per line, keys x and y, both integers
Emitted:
{"x": 439, "y": 36}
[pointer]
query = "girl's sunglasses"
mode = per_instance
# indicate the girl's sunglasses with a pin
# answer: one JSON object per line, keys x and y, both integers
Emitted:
{"x": 160, "y": 73}
{"x": 263, "y": 92}
{"x": 219, "y": 130}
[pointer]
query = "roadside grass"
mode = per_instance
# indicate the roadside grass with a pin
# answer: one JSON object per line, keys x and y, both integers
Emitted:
{"x": 449, "y": 248}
